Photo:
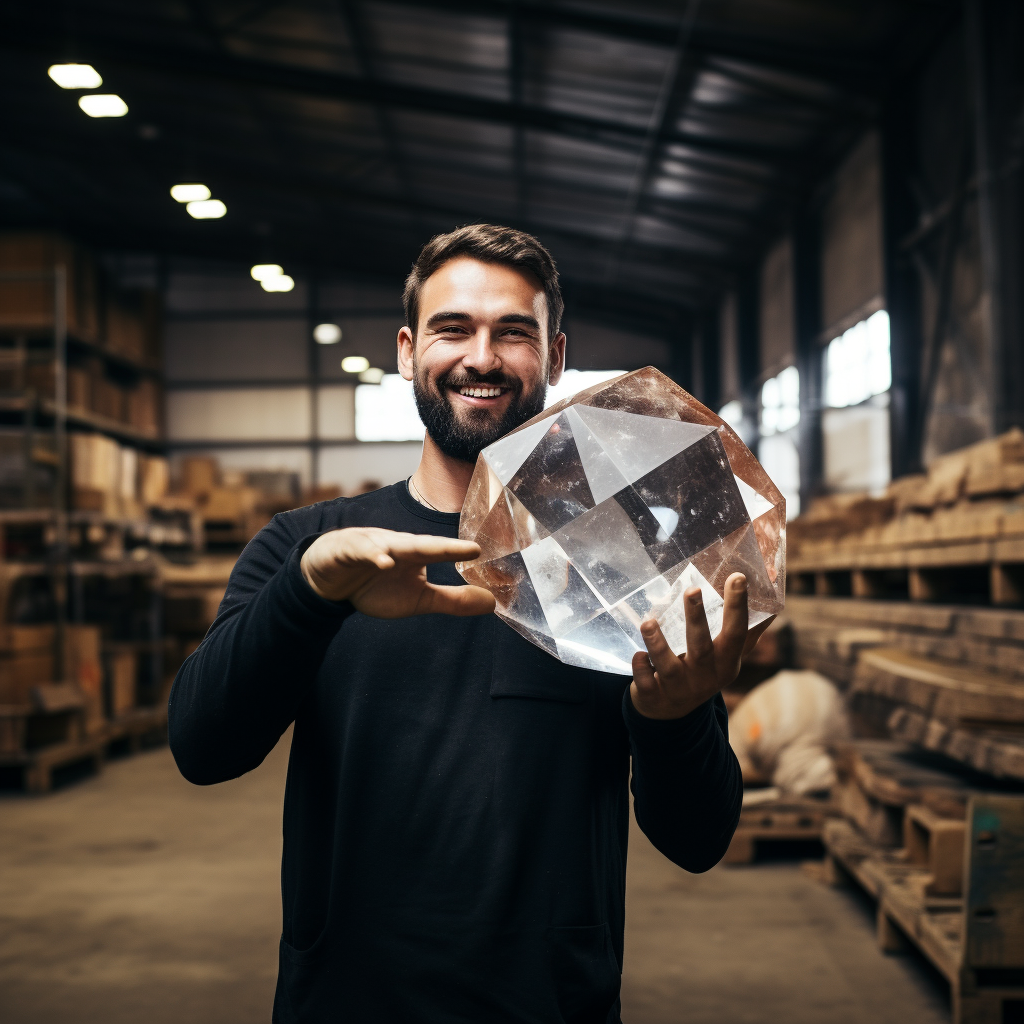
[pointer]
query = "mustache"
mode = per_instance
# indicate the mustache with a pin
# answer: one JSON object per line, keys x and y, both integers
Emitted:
{"x": 497, "y": 379}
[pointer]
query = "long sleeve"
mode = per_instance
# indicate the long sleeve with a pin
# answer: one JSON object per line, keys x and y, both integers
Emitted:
{"x": 687, "y": 787}
{"x": 239, "y": 691}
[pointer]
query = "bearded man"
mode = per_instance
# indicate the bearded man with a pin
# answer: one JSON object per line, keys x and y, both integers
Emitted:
{"x": 457, "y": 803}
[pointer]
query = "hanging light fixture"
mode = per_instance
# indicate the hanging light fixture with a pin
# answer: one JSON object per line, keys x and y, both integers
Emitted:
{"x": 281, "y": 283}
{"x": 189, "y": 193}
{"x": 355, "y": 364}
{"x": 103, "y": 104}
{"x": 327, "y": 334}
{"x": 75, "y": 76}
{"x": 206, "y": 209}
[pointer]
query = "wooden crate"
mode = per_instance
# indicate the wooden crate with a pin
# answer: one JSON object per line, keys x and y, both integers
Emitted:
{"x": 976, "y": 941}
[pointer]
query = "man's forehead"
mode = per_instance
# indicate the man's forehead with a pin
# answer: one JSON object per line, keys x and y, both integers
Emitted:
{"x": 481, "y": 289}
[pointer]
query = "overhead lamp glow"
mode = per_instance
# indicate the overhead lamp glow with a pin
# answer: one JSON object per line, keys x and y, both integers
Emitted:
{"x": 191, "y": 193}
{"x": 355, "y": 364}
{"x": 265, "y": 271}
{"x": 281, "y": 283}
{"x": 75, "y": 76}
{"x": 206, "y": 209}
{"x": 374, "y": 375}
{"x": 103, "y": 104}
{"x": 327, "y": 334}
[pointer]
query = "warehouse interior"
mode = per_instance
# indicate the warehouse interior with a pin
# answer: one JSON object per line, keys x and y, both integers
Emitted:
{"x": 807, "y": 215}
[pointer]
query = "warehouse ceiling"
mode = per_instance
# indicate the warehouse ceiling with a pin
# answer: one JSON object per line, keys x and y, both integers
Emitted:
{"x": 656, "y": 147}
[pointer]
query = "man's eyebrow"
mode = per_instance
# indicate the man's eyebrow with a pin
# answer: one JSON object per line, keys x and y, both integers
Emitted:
{"x": 438, "y": 318}
{"x": 520, "y": 318}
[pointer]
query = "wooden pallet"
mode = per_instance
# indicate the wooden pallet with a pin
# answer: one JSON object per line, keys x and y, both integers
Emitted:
{"x": 783, "y": 819}
{"x": 38, "y": 765}
{"x": 992, "y": 751}
{"x": 945, "y": 690}
{"x": 72, "y": 745}
{"x": 976, "y": 941}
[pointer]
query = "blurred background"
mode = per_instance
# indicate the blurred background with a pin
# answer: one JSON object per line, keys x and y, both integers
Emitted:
{"x": 808, "y": 214}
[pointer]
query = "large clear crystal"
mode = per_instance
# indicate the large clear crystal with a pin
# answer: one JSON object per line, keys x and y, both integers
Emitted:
{"x": 604, "y": 509}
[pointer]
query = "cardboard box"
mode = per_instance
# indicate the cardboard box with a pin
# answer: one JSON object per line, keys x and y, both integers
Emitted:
{"x": 230, "y": 504}
{"x": 122, "y": 675}
{"x": 79, "y": 389}
{"x": 108, "y": 398}
{"x": 84, "y": 668}
{"x": 125, "y": 331}
{"x": 29, "y": 304}
{"x": 143, "y": 407}
{"x": 154, "y": 479}
{"x": 20, "y": 672}
{"x": 199, "y": 475}
{"x": 18, "y": 638}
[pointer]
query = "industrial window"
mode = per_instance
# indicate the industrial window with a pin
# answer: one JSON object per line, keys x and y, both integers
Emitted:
{"x": 855, "y": 424}
{"x": 387, "y": 411}
{"x": 777, "y": 448}
{"x": 857, "y": 363}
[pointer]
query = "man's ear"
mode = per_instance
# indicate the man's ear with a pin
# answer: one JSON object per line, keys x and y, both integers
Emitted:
{"x": 556, "y": 359}
{"x": 406, "y": 349}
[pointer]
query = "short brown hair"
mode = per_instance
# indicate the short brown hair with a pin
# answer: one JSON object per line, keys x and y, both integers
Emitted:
{"x": 489, "y": 243}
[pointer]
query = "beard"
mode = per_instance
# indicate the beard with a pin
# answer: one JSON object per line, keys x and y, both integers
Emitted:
{"x": 464, "y": 437}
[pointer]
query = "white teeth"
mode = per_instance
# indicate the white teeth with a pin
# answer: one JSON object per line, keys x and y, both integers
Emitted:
{"x": 480, "y": 392}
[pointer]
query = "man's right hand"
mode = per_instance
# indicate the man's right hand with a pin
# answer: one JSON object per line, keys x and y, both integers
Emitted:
{"x": 384, "y": 574}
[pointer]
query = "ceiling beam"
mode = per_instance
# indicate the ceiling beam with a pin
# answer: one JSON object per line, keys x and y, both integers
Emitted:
{"x": 853, "y": 71}
{"x": 23, "y": 32}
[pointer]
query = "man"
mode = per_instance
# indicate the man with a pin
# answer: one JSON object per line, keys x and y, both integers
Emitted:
{"x": 456, "y": 809}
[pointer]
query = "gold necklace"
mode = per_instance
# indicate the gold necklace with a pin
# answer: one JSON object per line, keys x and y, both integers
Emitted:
{"x": 414, "y": 490}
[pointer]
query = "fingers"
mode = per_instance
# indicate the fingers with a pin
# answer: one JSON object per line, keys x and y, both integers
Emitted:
{"x": 461, "y": 601}
{"x": 664, "y": 662}
{"x": 729, "y": 645}
{"x": 698, "y": 636}
{"x": 753, "y": 635}
{"x": 643, "y": 673}
{"x": 425, "y": 549}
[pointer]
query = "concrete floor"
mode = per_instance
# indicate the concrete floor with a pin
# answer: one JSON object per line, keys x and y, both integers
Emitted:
{"x": 134, "y": 897}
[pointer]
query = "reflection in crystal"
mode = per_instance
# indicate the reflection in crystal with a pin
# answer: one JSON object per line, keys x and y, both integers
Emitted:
{"x": 564, "y": 595}
{"x": 619, "y": 563}
{"x": 552, "y": 483}
{"x": 599, "y": 644}
{"x": 637, "y": 444}
{"x": 604, "y": 510}
{"x": 699, "y": 487}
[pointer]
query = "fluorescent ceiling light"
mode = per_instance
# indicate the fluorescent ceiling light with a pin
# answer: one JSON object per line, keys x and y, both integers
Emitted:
{"x": 189, "y": 193}
{"x": 75, "y": 76}
{"x": 265, "y": 271}
{"x": 103, "y": 104}
{"x": 355, "y": 364}
{"x": 327, "y": 334}
{"x": 281, "y": 283}
{"x": 374, "y": 375}
{"x": 206, "y": 209}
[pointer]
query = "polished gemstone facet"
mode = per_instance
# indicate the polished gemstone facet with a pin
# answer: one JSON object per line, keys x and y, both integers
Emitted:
{"x": 605, "y": 509}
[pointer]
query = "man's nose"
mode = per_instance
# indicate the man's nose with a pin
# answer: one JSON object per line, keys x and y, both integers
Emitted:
{"x": 481, "y": 356}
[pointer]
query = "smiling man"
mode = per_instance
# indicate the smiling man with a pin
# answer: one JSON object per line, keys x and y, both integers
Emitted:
{"x": 457, "y": 806}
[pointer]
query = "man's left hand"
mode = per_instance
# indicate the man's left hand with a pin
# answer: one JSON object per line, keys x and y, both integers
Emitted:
{"x": 666, "y": 686}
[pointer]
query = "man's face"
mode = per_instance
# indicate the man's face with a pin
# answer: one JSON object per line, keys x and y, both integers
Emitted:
{"x": 481, "y": 359}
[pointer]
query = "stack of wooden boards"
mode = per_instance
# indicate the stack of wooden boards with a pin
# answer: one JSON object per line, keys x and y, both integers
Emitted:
{"x": 949, "y": 678}
{"x": 943, "y": 856}
{"x": 959, "y": 526}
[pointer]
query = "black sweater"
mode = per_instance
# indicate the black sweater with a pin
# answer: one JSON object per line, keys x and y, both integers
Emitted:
{"x": 456, "y": 810}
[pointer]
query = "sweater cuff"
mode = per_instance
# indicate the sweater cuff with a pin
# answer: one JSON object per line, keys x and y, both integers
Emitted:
{"x": 673, "y": 731}
{"x": 300, "y": 591}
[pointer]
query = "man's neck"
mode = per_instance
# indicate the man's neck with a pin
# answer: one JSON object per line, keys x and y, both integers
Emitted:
{"x": 440, "y": 480}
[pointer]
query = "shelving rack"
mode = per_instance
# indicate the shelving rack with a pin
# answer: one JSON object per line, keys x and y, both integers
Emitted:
{"x": 85, "y": 556}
